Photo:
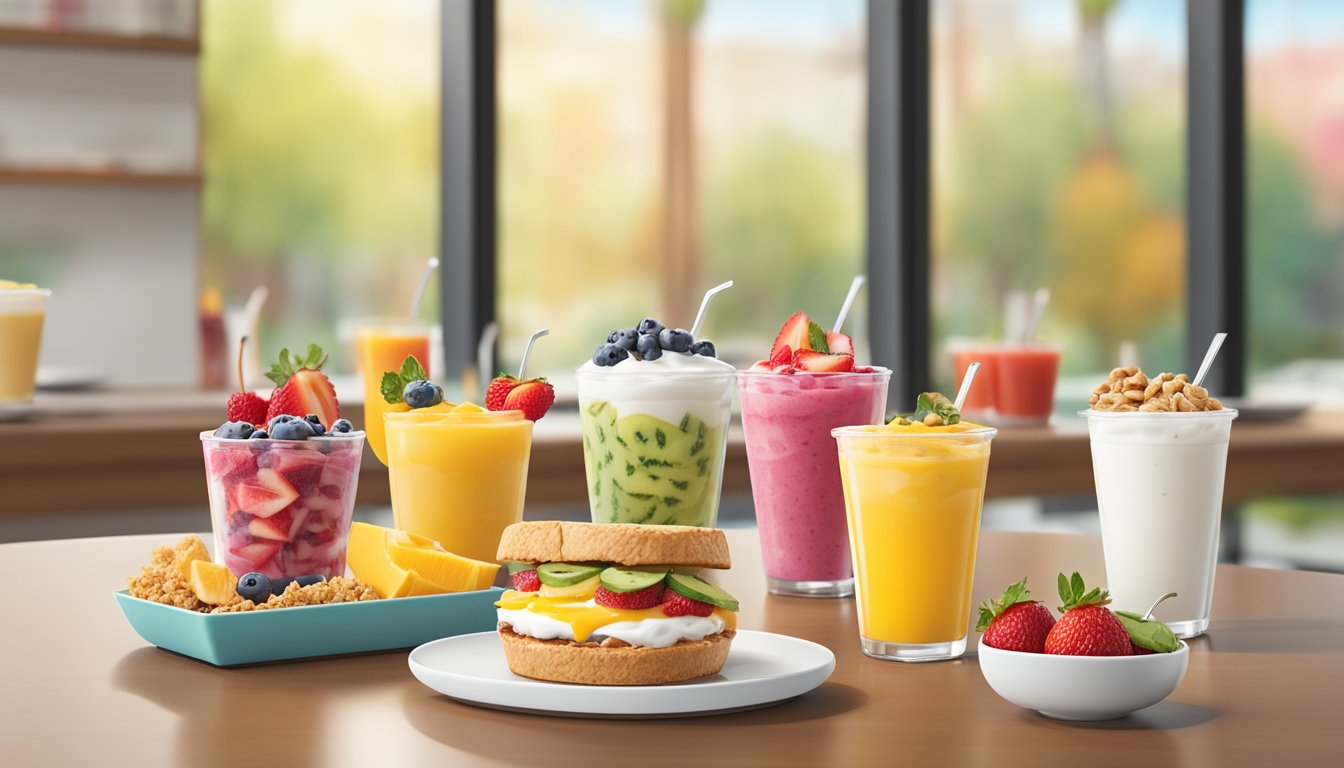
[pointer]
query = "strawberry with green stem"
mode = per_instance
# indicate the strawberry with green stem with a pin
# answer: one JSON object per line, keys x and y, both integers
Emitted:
{"x": 1087, "y": 628}
{"x": 302, "y": 388}
{"x": 1015, "y": 622}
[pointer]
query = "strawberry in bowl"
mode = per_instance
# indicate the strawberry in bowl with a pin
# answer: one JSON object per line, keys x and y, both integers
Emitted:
{"x": 1085, "y": 666}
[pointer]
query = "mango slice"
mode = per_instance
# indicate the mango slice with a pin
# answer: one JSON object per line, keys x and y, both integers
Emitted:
{"x": 401, "y": 564}
{"x": 214, "y": 584}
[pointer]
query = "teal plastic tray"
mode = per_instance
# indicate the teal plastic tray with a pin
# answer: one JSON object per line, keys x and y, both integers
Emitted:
{"x": 282, "y": 634}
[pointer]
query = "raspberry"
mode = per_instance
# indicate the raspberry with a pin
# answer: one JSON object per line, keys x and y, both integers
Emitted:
{"x": 526, "y": 581}
{"x": 247, "y": 406}
{"x": 629, "y": 601}
{"x": 680, "y": 605}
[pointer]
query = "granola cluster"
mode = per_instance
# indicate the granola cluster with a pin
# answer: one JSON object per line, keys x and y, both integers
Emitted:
{"x": 1128, "y": 389}
{"x": 161, "y": 581}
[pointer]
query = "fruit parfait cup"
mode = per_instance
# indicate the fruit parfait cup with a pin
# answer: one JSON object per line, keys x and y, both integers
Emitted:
{"x": 788, "y": 411}
{"x": 282, "y": 507}
{"x": 913, "y": 493}
{"x": 655, "y": 407}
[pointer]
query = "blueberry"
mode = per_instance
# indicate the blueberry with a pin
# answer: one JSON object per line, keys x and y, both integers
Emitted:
{"x": 294, "y": 429}
{"x": 705, "y": 348}
{"x": 675, "y": 340}
{"x": 234, "y": 430}
{"x": 648, "y": 347}
{"x": 609, "y": 354}
{"x": 283, "y": 418}
{"x": 341, "y": 426}
{"x": 625, "y": 339}
{"x": 422, "y": 394}
{"x": 258, "y": 434}
{"x": 611, "y": 337}
{"x": 649, "y": 325}
{"x": 316, "y": 423}
{"x": 255, "y": 587}
{"x": 279, "y": 585}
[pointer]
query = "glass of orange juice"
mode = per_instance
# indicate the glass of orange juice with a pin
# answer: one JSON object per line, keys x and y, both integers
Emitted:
{"x": 381, "y": 344}
{"x": 458, "y": 474}
{"x": 23, "y": 307}
{"x": 913, "y": 496}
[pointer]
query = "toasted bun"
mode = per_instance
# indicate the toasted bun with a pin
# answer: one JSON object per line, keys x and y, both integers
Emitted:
{"x": 563, "y": 661}
{"x": 621, "y": 543}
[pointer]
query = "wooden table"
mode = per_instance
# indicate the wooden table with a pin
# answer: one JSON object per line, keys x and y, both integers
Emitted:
{"x": 62, "y": 462}
{"x": 1265, "y": 687}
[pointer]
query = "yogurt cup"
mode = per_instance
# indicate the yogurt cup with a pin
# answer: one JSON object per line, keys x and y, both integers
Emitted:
{"x": 1159, "y": 479}
{"x": 655, "y": 433}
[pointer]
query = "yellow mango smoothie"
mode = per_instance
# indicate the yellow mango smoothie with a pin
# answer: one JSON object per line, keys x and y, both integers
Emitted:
{"x": 382, "y": 345}
{"x": 458, "y": 474}
{"x": 913, "y": 495}
{"x": 23, "y": 307}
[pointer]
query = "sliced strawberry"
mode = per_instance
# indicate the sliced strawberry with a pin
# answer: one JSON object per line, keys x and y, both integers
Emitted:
{"x": 817, "y": 362}
{"x": 302, "y": 468}
{"x": 275, "y": 528}
{"x": 793, "y": 335}
{"x": 256, "y": 552}
{"x": 839, "y": 343}
{"x": 302, "y": 388}
{"x": 266, "y": 496}
{"x": 534, "y": 398}
{"x": 526, "y": 581}
{"x": 230, "y": 464}
{"x": 629, "y": 601}
{"x": 782, "y": 356}
{"x": 680, "y": 605}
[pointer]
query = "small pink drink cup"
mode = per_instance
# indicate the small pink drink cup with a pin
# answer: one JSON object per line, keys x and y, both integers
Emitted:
{"x": 282, "y": 507}
{"x": 983, "y": 398}
{"x": 1025, "y": 383}
{"x": 795, "y": 472}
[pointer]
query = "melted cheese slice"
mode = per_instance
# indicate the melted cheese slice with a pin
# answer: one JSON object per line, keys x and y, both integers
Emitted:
{"x": 577, "y": 609}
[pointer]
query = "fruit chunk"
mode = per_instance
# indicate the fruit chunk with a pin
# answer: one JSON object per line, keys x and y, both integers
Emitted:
{"x": 534, "y": 398}
{"x": 499, "y": 389}
{"x": 818, "y": 362}
{"x": 619, "y": 580}
{"x": 270, "y": 494}
{"x": 302, "y": 388}
{"x": 449, "y": 572}
{"x": 675, "y": 604}
{"x": 793, "y": 335}
{"x": 1015, "y": 622}
{"x": 1087, "y": 628}
{"x": 636, "y": 600}
{"x": 212, "y": 583}
{"x": 192, "y": 552}
{"x": 526, "y": 581}
{"x": 839, "y": 343}
{"x": 564, "y": 574}
{"x": 698, "y": 589}
{"x": 400, "y": 564}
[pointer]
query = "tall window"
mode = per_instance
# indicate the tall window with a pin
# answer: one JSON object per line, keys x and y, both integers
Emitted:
{"x": 321, "y": 160}
{"x": 1058, "y": 141}
{"x": 1295, "y": 199}
{"x": 649, "y": 150}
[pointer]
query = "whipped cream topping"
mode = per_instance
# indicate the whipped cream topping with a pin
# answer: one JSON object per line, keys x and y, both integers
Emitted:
{"x": 651, "y": 633}
{"x": 667, "y": 388}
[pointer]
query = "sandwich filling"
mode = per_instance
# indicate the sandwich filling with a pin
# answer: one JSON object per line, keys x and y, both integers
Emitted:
{"x": 577, "y": 613}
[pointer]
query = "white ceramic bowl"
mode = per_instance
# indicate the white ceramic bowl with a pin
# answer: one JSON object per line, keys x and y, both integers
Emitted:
{"x": 1083, "y": 687}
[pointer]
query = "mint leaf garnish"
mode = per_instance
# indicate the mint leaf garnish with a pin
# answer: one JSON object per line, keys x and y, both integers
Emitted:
{"x": 816, "y": 338}
{"x": 933, "y": 403}
{"x": 1151, "y": 634}
{"x": 394, "y": 382}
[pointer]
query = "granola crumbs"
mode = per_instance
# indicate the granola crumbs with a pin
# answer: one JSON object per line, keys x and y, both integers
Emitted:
{"x": 161, "y": 582}
{"x": 336, "y": 590}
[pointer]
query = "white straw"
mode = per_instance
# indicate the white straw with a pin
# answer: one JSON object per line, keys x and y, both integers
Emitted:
{"x": 1204, "y": 367}
{"x": 966, "y": 385}
{"x": 704, "y": 305}
{"x": 1039, "y": 300}
{"x": 849, "y": 302}
{"x": 430, "y": 266}
{"x": 528, "y": 351}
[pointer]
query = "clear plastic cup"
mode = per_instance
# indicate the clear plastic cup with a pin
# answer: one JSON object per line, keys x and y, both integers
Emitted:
{"x": 1159, "y": 479}
{"x": 282, "y": 507}
{"x": 1024, "y": 376}
{"x": 795, "y": 474}
{"x": 22, "y": 312}
{"x": 654, "y": 440}
{"x": 458, "y": 478}
{"x": 913, "y": 502}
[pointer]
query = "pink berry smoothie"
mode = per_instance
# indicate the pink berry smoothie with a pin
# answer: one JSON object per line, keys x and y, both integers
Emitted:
{"x": 795, "y": 471}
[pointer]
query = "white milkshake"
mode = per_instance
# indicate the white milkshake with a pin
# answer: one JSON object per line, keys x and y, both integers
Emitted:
{"x": 1159, "y": 479}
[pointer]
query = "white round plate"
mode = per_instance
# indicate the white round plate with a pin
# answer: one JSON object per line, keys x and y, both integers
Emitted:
{"x": 67, "y": 379}
{"x": 762, "y": 669}
{"x": 17, "y": 411}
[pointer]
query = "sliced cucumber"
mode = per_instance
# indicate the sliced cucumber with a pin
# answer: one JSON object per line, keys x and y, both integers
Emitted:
{"x": 516, "y": 567}
{"x": 565, "y": 574}
{"x": 698, "y": 589}
{"x": 618, "y": 580}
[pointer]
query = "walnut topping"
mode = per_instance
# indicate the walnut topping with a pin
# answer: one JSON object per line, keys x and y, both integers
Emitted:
{"x": 1127, "y": 389}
